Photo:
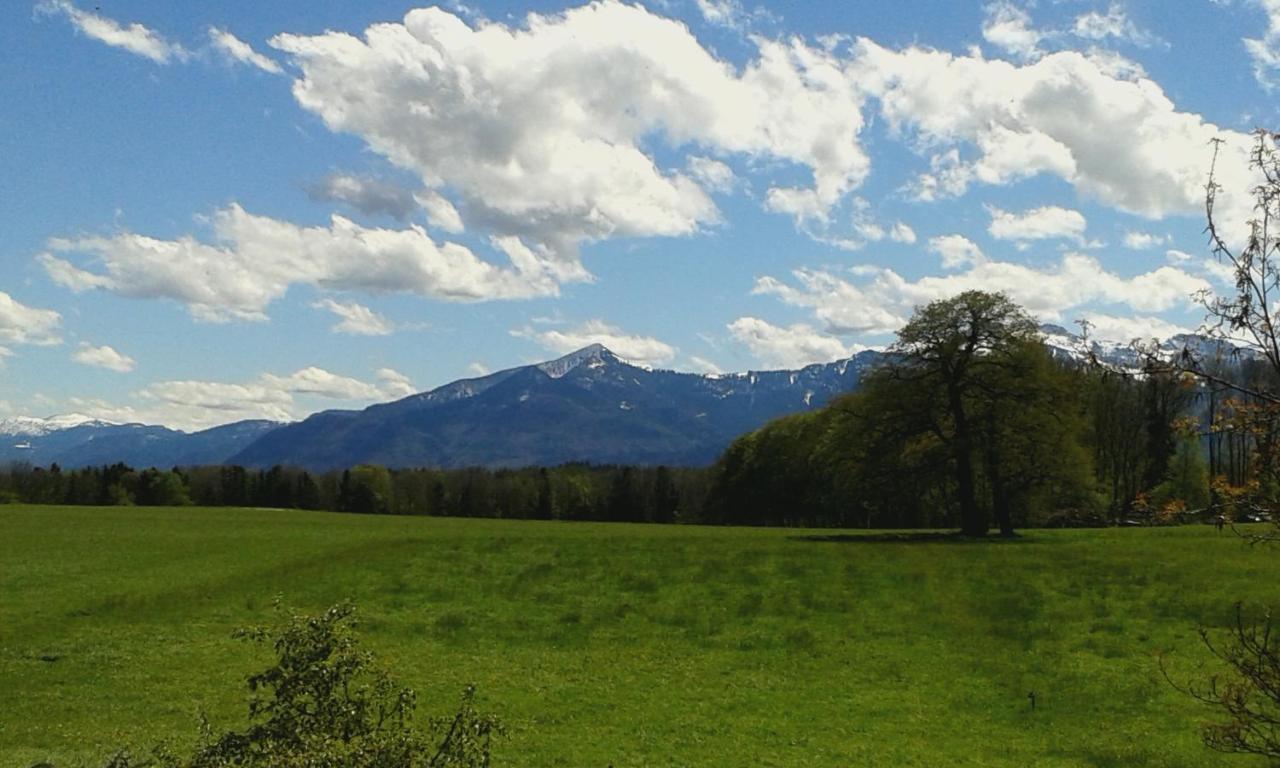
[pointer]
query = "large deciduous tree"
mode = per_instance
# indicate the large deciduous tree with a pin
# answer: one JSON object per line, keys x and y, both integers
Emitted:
{"x": 970, "y": 354}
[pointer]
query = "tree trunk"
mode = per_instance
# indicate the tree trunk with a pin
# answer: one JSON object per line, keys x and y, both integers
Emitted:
{"x": 999, "y": 493}
{"x": 972, "y": 521}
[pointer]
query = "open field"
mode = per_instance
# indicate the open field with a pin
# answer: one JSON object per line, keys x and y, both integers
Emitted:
{"x": 631, "y": 645}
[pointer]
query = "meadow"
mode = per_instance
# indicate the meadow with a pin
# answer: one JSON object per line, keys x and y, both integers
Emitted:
{"x": 632, "y": 645}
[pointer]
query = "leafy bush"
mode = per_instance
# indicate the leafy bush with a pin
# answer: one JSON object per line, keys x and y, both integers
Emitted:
{"x": 326, "y": 703}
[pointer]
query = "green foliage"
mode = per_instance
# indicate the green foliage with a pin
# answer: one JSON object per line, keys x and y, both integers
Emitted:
{"x": 327, "y": 703}
{"x": 970, "y": 420}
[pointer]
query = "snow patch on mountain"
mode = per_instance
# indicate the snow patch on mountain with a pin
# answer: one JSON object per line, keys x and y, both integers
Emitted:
{"x": 29, "y": 426}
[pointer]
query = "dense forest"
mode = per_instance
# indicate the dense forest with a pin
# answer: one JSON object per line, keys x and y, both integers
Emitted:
{"x": 970, "y": 422}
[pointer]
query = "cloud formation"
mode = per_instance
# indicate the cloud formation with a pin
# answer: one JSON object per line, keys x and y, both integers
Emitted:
{"x": 253, "y": 260}
{"x": 367, "y": 195}
{"x": 1265, "y": 50}
{"x": 22, "y": 324}
{"x": 517, "y": 127}
{"x": 1042, "y": 223}
{"x": 1114, "y": 136}
{"x": 878, "y": 301}
{"x": 644, "y": 350}
{"x": 134, "y": 38}
{"x": 194, "y": 404}
{"x": 103, "y": 357}
{"x": 235, "y": 50}
{"x": 793, "y": 346}
{"x": 356, "y": 319}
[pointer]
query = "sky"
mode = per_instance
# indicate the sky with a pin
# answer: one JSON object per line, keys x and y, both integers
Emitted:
{"x": 232, "y": 210}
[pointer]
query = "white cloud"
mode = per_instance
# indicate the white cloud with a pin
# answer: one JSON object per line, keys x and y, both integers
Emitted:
{"x": 1265, "y": 50}
{"x": 367, "y": 195}
{"x": 540, "y": 132}
{"x": 356, "y": 319}
{"x": 1119, "y": 140}
{"x": 478, "y": 368}
{"x": 103, "y": 357}
{"x": 1140, "y": 241}
{"x": 254, "y": 260}
{"x": 956, "y": 251}
{"x": 645, "y": 350}
{"x": 317, "y": 381}
{"x": 21, "y": 324}
{"x": 440, "y": 212}
{"x": 234, "y": 49}
{"x": 191, "y": 404}
{"x": 732, "y": 15}
{"x": 792, "y": 346}
{"x": 901, "y": 233}
{"x": 1009, "y": 28}
{"x": 879, "y": 300}
{"x": 1174, "y": 256}
{"x": 1113, "y": 328}
{"x": 394, "y": 384}
{"x": 134, "y": 38}
{"x": 1043, "y": 223}
{"x": 1115, "y": 23}
{"x": 712, "y": 174}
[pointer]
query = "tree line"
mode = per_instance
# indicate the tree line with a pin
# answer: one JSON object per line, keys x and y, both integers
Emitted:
{"x": 568, "y": 492}
{"x": 970, "y": 422}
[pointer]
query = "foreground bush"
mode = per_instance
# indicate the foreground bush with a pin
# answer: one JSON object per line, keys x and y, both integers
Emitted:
{"x": 325, "y": 703}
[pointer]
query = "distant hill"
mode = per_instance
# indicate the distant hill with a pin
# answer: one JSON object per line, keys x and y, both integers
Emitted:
{"x": 586, "y": 406}
{"x": 79, "y": 441}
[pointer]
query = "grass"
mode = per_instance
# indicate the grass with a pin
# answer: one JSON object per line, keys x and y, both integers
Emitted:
{"x": 631, "y": 645}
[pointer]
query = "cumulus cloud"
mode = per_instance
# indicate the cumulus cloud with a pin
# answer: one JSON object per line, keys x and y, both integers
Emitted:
{"x": 956, "y": 251}
{"x": 645, "y": 350}
{"x": 792, "y": 346}
{"x": 193, "y": 404}
{"x": 367, "y": 195}
{"x": 1114, "y": 136}
{"x": 539, "y": 132}
{"x": 356, "y": 319}
{"x": 104, "y": 356}
{"x": 1043, "y": 223}
{"x": 393, "y": 383}
{"x": 134, "y": 38}
{"x": 712, "y": 174}
{"x": 22, "y": 324}
{"x": 1140, "y": 241}
{"x": 235, "y": 50}
{"x": 901, "y": 233}
{"x": 1127, "y": 328}
{"x": 253, "y": 260}
{"x": 1009, "y": 28}
{"x": 879, "y": 301}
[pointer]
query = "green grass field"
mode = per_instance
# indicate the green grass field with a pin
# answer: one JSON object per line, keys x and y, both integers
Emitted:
{"x": 631, "y": 645}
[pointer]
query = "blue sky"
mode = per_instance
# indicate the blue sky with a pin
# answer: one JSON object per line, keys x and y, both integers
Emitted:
{"x": 243, "y": 209}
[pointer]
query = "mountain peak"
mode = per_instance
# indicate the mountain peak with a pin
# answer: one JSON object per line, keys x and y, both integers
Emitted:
{"x": 592, "y": 355}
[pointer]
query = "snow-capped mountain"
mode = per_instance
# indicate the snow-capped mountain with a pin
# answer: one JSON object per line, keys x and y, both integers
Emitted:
{"x": 1068, "y": 345}
{"x": 76, "y": 440}
{"x": 29, "y": 426}
{"x": 588, "y": 406}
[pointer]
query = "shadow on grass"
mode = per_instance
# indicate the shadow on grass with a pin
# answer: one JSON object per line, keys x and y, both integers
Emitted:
{"x": 910, "y": 537}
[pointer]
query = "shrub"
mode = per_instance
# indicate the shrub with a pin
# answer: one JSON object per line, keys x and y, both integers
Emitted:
{"x": 326, "y": 703}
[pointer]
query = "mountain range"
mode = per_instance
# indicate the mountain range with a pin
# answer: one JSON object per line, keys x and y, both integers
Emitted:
{"x": 589, "y": 406}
